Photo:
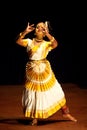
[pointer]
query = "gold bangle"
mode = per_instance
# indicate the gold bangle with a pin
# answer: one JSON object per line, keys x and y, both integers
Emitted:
{"x": 52, "y": 39}
{"x": 21, "y": 35}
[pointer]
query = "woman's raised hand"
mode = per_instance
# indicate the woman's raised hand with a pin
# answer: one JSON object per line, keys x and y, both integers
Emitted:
{"x": 29, "y": 28}
{"x": 46, "y": 27}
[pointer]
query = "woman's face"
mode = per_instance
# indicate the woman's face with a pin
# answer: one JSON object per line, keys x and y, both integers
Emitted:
{"x": 40, "y": 29}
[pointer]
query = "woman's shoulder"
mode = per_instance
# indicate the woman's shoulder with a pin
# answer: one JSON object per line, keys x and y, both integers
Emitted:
{"x": 29, "y": 41}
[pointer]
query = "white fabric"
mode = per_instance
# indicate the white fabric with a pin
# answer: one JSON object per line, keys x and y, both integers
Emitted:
{"x": 42, "y": 100}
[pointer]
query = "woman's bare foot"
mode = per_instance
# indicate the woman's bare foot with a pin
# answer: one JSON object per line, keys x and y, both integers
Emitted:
{"x": 68, "y": 116}
{"x": 34, "y": 122}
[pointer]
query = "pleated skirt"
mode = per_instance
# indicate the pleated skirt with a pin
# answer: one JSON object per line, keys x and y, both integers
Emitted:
{"x": 42, "y": 94}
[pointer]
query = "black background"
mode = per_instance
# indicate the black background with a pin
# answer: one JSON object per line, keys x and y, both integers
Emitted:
{"x": 69, "y": 26}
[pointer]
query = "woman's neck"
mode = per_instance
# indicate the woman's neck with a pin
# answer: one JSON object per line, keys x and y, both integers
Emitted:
{"x": 38, "y": 39}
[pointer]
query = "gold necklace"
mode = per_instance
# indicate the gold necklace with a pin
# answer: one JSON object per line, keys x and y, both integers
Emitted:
{"x": 38, "y": 40}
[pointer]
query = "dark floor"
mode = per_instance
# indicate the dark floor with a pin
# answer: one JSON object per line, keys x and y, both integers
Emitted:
{"x": 12, "y": 118}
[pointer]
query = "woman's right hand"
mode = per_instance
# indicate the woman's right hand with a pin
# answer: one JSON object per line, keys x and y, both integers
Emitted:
{"x": 29, "y": 28}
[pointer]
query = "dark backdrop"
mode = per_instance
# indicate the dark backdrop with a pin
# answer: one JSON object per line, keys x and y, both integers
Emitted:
{"x": 69, "y": 26}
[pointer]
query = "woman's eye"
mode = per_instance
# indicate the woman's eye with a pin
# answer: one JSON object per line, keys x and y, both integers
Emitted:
{"x": 43, "y": 29}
